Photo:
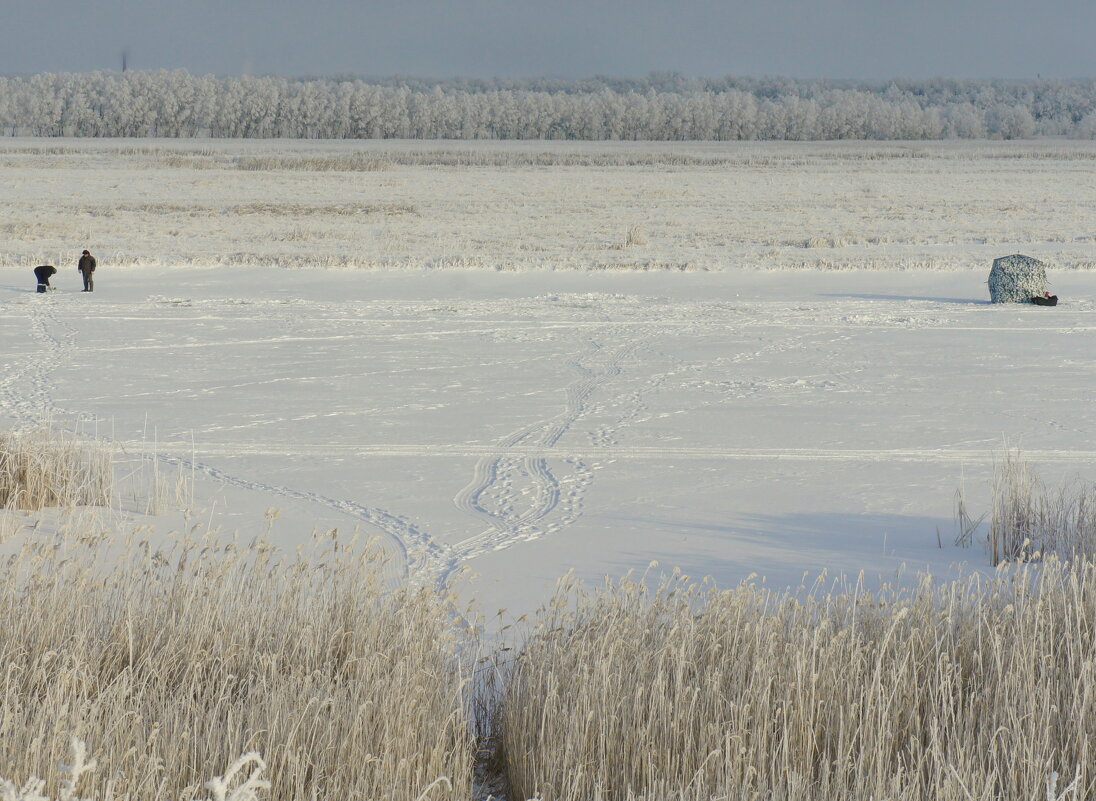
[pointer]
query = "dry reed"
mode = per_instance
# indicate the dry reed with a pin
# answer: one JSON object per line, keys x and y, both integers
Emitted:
{"x": 169, "y": 660}
{"x": 242, "y": 781}
{"x": 636, "y": 236}
{"x": 47, "y": 469}
{"x": 981, "y": 689}
{"x": 1028, "y": 518}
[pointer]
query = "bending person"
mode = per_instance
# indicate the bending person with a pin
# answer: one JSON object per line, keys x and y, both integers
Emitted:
{"x": 42, "y": 273}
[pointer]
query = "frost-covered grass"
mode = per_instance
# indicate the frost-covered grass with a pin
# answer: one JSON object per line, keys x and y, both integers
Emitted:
{"x": 170, "y": 657}
{"x": 521, "y": 206}
{"x": 1029, "y": 518}
{"x": 241, "y": 782}
{"x": 50, "y": 467}
{"x": 47, "y": 468}
{"x": 981, "y": 689}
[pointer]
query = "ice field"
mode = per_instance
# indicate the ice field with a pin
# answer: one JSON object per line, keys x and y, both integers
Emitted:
{"x": 526, "y": 387}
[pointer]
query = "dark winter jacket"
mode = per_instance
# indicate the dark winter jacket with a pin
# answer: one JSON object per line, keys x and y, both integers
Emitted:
{"x": 43, "y": 272}
{"x": 87, "y": 264}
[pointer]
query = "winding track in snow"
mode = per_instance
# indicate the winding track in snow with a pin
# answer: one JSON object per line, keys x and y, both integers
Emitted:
{"x": 986, "y": 455}
{"x": 25, "y": 388}
{"x": 523, "y": 487}
{"x": 515, "y": 489}
{"x": 26, "y": 395}
{"x": 420, "y": 552}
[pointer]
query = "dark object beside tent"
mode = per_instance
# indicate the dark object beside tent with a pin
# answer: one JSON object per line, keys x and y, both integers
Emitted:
{"x": 1046, "y": 300}
{"x": 1017, "y": 279}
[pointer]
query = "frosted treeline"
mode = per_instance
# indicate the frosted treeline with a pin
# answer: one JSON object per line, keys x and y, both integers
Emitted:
{"x": 661, "y": 107}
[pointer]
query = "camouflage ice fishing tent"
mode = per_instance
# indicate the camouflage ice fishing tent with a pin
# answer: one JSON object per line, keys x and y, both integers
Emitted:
{"x": 1017, "y": 279}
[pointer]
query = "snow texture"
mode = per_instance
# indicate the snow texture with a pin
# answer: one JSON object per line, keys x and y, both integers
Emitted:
{"x": 796, "y": 395}
{"x": 518, "y": 207}
{"x": 518, "y": 426}
{"x": 1017, "y": 279}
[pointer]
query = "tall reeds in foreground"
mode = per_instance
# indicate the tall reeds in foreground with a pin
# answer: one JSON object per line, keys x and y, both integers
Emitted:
{"x": 242, "y": 781}
{"x": 170, "y": 660}
{"x": 47, "y": 468}
{"x": 983, "y": 689}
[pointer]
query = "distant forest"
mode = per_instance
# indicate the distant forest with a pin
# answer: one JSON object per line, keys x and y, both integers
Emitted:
{"x": 659, "y": 107}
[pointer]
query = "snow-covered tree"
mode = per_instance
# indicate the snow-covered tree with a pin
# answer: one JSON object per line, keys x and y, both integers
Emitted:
{"x": 663, "y": 106}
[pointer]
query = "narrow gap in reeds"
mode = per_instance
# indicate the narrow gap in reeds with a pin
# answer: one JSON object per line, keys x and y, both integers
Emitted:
{"x": 172, "y": 656}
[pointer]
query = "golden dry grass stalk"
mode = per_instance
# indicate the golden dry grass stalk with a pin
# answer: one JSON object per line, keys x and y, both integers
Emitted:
{"x": 982, "y": 689}
{"x": 46, "y": 469}
{"x": 170, "y": 660}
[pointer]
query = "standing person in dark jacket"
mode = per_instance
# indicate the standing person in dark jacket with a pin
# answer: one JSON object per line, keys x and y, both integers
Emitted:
{"x": 42, "y": 274}
{"x": 87, "y": 269}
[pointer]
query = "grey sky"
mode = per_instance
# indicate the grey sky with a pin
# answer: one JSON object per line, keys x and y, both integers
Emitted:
{"x": 873, "y": 39}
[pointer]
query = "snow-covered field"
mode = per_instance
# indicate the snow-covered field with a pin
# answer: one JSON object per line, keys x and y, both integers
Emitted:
{"x": 519, "y": 206}
{"x": 518, "y": 424}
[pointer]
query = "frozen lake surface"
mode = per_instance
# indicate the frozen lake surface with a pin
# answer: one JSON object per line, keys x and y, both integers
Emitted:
{"x": 520, "y": 425}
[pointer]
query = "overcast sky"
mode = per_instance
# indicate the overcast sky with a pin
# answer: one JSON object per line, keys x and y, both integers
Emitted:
{"x": 870, "y": 39}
